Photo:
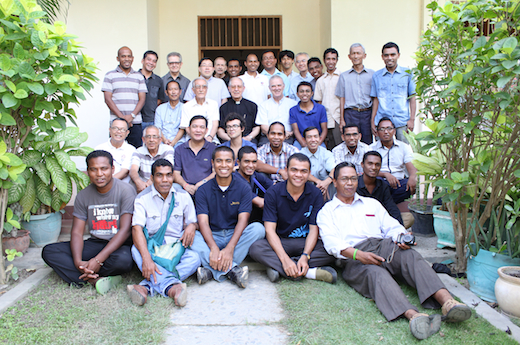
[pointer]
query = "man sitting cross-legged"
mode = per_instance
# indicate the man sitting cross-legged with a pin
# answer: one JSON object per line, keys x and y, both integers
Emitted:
{"x": 223, "y": 208}
{"x": 151, "y": 211}
{"x": 360, "y": 230}
{"x": 291, "y": 247}
{"x": 106, "y": 207}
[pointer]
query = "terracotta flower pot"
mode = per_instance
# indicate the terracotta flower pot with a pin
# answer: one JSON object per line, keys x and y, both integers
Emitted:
{"x": 20, "y": 242}
{"x": 507, "y": 290}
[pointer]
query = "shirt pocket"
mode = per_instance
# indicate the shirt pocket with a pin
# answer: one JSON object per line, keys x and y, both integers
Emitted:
{"x": 153, "y": 223}
{"x": 402, "y": 89}
{"x": 176, "y": 222}
{"x": 154, "y": 91}
{"x": 383, "y": 91}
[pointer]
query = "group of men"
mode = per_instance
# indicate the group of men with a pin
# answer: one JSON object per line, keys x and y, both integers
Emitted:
{"x": 216, "y": 172}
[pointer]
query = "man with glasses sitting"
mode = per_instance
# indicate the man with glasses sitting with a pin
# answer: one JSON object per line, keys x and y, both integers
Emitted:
{"x": 120, "y": 150}
{"x": 143, "y": 158}
{"x": 352, "y": 148}
{"x": 396, "y": 162}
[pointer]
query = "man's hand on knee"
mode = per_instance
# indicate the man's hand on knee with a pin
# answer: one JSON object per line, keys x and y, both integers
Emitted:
{"x": 149, "y": 270}
{"x": 214, "y": 258}
{"x": 369, "y": 258}
{"x": 290, "y": 268}
{"x": 226, "y": 259}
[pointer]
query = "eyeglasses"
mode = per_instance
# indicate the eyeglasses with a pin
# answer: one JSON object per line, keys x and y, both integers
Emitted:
{"x": 118, "y": 129}
{"x": 232, "y": 126}
{"x": 200, "y": 86}
{"x": 350, "y": 135}
{"x": 151, "y": 137}
{"x": 345, "y": 179}
{"x": 385, "y": 129}
{"x": 174, "y": 63}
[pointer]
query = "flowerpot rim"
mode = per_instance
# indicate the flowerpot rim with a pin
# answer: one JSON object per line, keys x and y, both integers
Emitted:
{"x": 503, "y": 273}
{"x": 41, "y": 216}
{"x": 20, "y": 233}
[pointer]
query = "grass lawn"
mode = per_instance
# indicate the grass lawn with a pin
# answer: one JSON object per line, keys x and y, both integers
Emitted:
{"x": 321, "y": 313}
{"x": 55, "y": 313}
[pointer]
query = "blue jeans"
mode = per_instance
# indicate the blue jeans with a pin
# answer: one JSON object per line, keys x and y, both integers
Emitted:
{"x": 186, "y": 267}
{"x": 251, "y": 233}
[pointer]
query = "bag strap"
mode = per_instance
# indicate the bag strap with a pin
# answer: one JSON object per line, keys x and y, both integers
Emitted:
{"x": 159, "y": 235}
{"x": 255, "y": 181}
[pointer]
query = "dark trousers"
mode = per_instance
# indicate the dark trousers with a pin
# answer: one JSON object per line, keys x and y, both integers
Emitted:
{"x": 135, "y": 137}
{"x": 262, "y": 252}
{"x": 362, "y": 119}
{"x": 333, "y": 137}
{"x": 399, "y": 194}
{"x": 378, "y": 283}
{"x": 59, "y": 257}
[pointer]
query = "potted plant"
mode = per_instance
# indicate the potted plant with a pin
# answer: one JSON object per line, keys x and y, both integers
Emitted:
{"x": 12, "y": 237}
{"x": 466, "y": 82}
{"x": 507, "y": 290}
{"x": 43, "y": 71}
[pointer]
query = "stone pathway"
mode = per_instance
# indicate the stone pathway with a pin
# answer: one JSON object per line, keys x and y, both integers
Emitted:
{"x": 222, "y": 313}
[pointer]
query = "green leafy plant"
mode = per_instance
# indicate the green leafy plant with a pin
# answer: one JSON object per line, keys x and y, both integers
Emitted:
{"x": 12, "y": 272}
{"x": 43, "y": 73}
{"x": 467, "y": 83}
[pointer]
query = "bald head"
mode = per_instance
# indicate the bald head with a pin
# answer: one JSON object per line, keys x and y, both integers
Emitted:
{"x": 125, "y": 58}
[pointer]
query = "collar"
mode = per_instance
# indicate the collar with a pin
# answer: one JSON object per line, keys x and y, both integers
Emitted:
{"x": 205, "y": 146}
{"x": 335, "y": 202}
{"x": 160, "y": 150}
{"x": 397, "y": 70}
{"x": 285, "y": 193}
{"x": 336, "y": 72}
{"x": 315, "y": 154}
{"x": 153, "y": 76}
{"x": 120, "y": 70}
{"x": 379, "y": 144}
{"x": 156, "y": 193}
{"x": 215, "y": 186}
{"x": 177, "y": 106}
{"x": 284, "y": 148}
{"x": 353, "y": 70}
{"x": 313, "y": 110}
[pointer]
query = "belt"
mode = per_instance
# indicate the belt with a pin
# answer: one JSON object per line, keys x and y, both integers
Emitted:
{"x": 359, "y": 109}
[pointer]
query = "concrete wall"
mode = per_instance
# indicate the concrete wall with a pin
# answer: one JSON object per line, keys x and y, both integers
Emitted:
{"x": 166, "y": 25}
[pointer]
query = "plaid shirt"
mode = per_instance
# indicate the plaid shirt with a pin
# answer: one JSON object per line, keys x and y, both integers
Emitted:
{"x": 267, "y": 155}
{"x": 343, "y": 154}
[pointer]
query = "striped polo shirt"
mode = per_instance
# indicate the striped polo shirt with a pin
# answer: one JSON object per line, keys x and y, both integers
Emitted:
{"x": 125, "y": 91}
{"x": 144, "y": 160}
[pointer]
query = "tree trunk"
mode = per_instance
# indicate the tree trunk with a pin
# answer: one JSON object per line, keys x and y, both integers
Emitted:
{"x": 3, "y": 208}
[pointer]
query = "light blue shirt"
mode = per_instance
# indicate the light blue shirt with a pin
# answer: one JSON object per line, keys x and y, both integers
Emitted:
{"x": 168, "y": 119}
{"x": 322, "y": 162}
{"x": 286, "y": 80}
{"x": 295, "y": 81}
{"x": 392, "y": 91}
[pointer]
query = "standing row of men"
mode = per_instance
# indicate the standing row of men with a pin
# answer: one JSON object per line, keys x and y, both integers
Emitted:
{"x": 359, "y": 95}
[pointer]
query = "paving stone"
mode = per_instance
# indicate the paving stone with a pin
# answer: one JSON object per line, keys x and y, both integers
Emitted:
{"x": 226, "y": 304}
{"x": 229, "y": 335}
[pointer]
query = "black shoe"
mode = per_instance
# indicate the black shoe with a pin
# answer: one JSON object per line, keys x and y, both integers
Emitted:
{"x": 203, "y": 275}
{"x": 239, "y": 276}
{"x": 272, "y": 274}
{"x": 326, "y": 274}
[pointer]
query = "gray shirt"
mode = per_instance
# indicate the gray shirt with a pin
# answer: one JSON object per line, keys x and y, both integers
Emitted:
{"x": 180, "y": 79}
{"x": 355, "y": 88}
{"x": 102, "y": 212}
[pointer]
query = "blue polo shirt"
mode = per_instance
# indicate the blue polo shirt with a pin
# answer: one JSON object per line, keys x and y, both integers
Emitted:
{"x": 292, "y": 218}
{"x": 223, "y": 207}
{"x": 315, "y": 117}
{"x": 193, "y": 167}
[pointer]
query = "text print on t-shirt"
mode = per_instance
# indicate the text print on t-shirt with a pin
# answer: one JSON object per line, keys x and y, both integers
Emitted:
{"x": 104, "y": 219}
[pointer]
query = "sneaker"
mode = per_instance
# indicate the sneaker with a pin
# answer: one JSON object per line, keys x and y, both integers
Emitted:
{"x": 179, "y": 294}
{"x": 454, "y": 311}
{"x": 326, "y": 274}
{"x": 105, "y": 284}
{"x": 423, "y": 325}
{"x": 137, "y": 294}
{"x": 203, "y": 275}
{"x": 239, "y": 276}
{"x": 272, "y": 274}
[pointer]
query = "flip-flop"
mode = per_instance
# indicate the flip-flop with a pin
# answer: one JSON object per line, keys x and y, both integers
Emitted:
{"x": 105, "y": 284}
{"x": 423, "y": 325}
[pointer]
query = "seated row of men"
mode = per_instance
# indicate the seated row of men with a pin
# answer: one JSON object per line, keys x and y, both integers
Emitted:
{"x": 216, "y": 232}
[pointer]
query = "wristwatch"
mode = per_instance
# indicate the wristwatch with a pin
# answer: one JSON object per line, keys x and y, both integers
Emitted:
{"x": 204, "y": 181}
{"x": 307, "y": 255}
{"x": 133, "y": 115}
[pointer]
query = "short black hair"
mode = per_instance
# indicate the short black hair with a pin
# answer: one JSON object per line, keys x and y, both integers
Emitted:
{"x": 119, "y": 119}
{"x": 235, "y": 59}
{"x": 390, "y": 45}
{"x": 235, "y": 116}
{"x": 299, "y": 157}
{"x": 330, "y": 50}
{"x": 173, "y": 81}
{"x": 222, "y": 148}
{"x": 350, "y": 125}
{"x": 148, "y": 52}
{"x": 308, "y": 129}
{"x": 204, "y": 59}
{"x": 100, "y": 153}
{"x": 372, "y": 153}
{"x": 276, "y": 123}
{"x": 341, "y": 166}
{"x": 288, "y": 53}
{"x": 268, "y": 51}
{"x": 304, "y": 83}
{"x": 161, "y": 162}
{"x": 199, "y": 117}
{"x": 245, "y": 150}
{"x": 314, "y": 59}
{"x": 385, "y": 119}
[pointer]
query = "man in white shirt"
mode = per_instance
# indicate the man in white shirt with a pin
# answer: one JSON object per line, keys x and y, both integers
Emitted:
{"x": 360, "y": 230}
{"x": 256, "y": 84}
{"x": 120, "y": 150}
{"x": 275, "y": 109}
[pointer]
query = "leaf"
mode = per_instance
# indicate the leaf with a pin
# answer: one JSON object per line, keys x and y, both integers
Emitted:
{"x": 43, "y": 192}
{"x": 50, "y": 88}
{"x": 65, "y": 197}
{"x": 31, "y": 157}
{"x": 29, "y": 196}
{"x": 68, "y": 78}
{"x": 444, "y": 183}
{"x": 26, "y": 71}
{"x": 8, "y": 214}
{"x": 65, "y": 161}
{"x": 503, "y": 81}
{"x": 56, "y": 200}
{"x": 18, "y": 51}
{"x": 3, "y": 147}
{"x": 509, "y": 44}
{"x": 76, "y": 141}
{"x": 42, "y": 172}
{"x": 7, "y": 120}
{"x": 9, "y": 101}
{"x": 57, "y": 174}
{"x": 82, "y": 179}
{"x": 15, "y": 193}
{"x": 36, "y": 88}
{"x": 21, "y": 94}
{"x": 68, "y": 133}
{"x": 509, "y": 64}
{"x": 458, "y": 78}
